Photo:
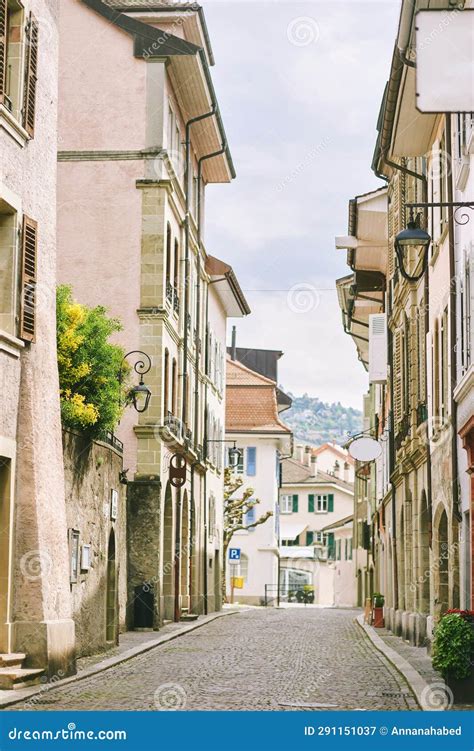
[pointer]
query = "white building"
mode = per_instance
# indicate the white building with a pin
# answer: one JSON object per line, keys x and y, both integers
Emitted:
{"x": 316, "y": 532}
{"x": 252, "y": 422}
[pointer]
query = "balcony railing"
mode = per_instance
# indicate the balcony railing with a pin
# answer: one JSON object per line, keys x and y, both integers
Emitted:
{"x": 169, "y": 292}
{"x": 176, "y": 302}
{"x": 403, "y": 431}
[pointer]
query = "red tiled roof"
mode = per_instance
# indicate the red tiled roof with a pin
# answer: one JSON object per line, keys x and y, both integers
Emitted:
{"x": 251, "y": 402}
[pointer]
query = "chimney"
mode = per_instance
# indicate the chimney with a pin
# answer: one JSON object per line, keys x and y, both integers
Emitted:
{"x": 308, "y": 455}
{"x": 314, "y": 465}
{"x": 346, "y": 472}
{"x": 337, "y": 469}
{"x": 299, "y": 453}
{"x": 233, "y": 349}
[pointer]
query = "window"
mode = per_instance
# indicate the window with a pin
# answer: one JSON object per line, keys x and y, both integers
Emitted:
{"x": 11, "y": 28}
{"x": 8, "y": 268}
{"x": 212, "y": 515}
{"x": 169, "y": 289}
{"x": 251, "y": 461}
{"x": 466, "y": 304}
{"x": 322, "y": 503}
{"x": 176, "y": 267}
{"x": 166, "y": 386}
{"x": 289, "y": 504}
{"x": 321, "y": 538}
{"x": 338, "y": 550}
{"x": 174, "y": 384}
{"x": 242, "y": 568}
{"x": 349, "y": 549}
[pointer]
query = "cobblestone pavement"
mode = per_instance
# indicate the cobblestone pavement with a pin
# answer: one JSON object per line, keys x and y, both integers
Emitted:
{"x": 254, "y": 660}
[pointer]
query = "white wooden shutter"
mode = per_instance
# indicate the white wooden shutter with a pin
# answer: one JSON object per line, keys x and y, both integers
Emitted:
{"x": 378, "y": 348}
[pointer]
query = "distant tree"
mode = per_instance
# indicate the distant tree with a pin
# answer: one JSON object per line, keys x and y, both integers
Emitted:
{"x": 89, "y": 365}
{"x": 235, "y": 511}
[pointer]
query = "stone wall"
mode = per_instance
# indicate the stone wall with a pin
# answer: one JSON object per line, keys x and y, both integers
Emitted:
{"x": 92, "y": 471}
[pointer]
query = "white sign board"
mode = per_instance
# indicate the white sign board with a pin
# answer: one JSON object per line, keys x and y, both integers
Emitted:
{"x": 445, "y": 60}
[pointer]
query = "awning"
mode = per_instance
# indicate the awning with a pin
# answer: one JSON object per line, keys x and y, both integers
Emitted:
{"x": 290, "y": 530}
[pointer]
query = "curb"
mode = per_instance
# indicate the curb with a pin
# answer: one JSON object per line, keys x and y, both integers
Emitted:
{"x": 16, "y": 697}
{"x": 416, "y": 682}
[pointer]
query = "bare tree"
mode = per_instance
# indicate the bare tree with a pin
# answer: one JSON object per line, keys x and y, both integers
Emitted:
{"x": 235, "y": 511}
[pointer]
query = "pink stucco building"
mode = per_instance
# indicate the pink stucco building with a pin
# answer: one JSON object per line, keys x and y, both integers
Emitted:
{"x": 36, "y": 629}
{"x": 140, "y": 137}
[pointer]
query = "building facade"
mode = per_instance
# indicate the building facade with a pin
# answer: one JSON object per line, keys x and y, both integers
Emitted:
{"x": 132, "y": 184}
{"x": 35, "y": 609}
{"x": 313, "y": 548}
{"x": 252, "y": 422}
{"x": 416, "y": 348}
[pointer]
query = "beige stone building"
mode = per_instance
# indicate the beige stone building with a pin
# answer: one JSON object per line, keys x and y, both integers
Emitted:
{"x": 132, "y": 182}
{"x": 416, "y": 348}
{"x": 35, "y": 611}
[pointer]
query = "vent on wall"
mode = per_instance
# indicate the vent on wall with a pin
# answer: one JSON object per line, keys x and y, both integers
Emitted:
{"x": 378, "y": 348}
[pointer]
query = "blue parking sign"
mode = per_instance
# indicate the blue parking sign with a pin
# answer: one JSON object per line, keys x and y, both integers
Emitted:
{"x": 234, "y": 554}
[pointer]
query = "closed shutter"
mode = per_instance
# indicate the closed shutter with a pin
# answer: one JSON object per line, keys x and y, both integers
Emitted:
{"x": 251, "y": 461}
{"x": 250, "y": 518}
{"x": 397, "y": 377}
{"x": 331, "y": 546}
{"x": 31, "y": 73}
{"x": 330, "y": 502}
{"x": 309, "y": 538}
{"x": 3, "y": 48}
{"x": 311, "y": 503}
{"x": 29, "y": 252}
{"x": 295, "y": 504}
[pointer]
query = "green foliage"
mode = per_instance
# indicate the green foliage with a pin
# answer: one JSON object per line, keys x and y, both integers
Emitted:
{"x": 453, "y": 646}
{"x": 379, "y": 600}
{"x": 317, "y": 422}
{"x": 88, "y": 365}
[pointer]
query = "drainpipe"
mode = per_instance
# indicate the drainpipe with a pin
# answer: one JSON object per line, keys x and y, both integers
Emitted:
{"x": 206, "y": 360}
{"x": 186, "y": 253}
{"x": 452, "y": 332}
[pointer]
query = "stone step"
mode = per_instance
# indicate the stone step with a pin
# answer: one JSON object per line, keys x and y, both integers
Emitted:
{"x": 13, "y": 678}
{"x": 12, "y": 660}
{"x": 188, "y": 617}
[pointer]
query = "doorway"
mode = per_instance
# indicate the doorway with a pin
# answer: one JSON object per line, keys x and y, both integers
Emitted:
{"x": 5, "y": 546}
{"x": 111, "y": 595}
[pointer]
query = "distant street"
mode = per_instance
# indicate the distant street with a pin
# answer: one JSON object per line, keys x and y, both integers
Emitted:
{"x": 258, "y": 659}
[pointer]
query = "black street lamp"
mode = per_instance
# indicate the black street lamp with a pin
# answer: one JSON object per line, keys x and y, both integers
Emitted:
{"x": 412, "y": 242}
{"x": 234, "y": 453}
{"x": 139, "y": 395}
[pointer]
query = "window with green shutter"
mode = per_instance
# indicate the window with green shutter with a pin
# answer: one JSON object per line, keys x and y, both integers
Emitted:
{"x": 295, "y": 504}
{"x": 309, "y": 538}
{"x": 311, "y": 503}
{"x": 330, "y": 502}
{"x": 331, "y": 546}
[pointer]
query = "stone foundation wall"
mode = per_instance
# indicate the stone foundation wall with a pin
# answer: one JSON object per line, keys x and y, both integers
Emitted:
{"x": 92, "y": 471}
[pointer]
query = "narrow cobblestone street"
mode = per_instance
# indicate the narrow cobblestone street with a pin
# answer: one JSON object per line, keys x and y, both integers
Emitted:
{"x": 258, "y": 659}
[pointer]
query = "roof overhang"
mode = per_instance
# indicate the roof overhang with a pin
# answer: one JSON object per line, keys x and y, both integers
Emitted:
{"x": 356, "y": 306}
{"x": 367, "y": 241}
{"x": 402, "y": 129}
{"x": 189, "y": 72}
{"x": 227, "y": 288}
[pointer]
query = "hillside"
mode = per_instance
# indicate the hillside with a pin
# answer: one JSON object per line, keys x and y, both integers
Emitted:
{"x": 316, "y": 422}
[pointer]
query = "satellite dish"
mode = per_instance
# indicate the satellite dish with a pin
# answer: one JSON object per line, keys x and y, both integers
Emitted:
{"x": 365, "y": 449}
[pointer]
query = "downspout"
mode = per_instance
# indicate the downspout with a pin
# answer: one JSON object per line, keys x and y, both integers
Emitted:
{"x": 186, "y": 254}
{"x": 453, "y": 333}
{"x": 206, "y": 360}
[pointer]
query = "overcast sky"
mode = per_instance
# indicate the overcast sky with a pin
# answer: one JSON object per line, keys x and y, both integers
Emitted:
{"x": 299, "y": 86}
